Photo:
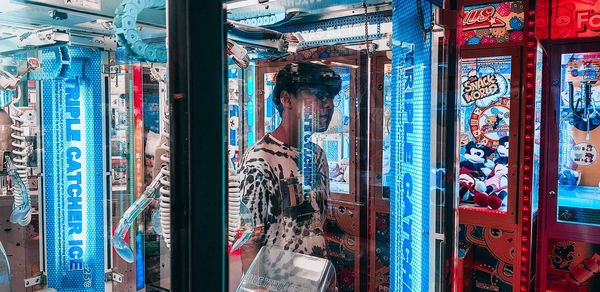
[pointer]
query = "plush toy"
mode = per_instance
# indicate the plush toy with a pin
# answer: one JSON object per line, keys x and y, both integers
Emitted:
{"x": 475, "y": 158}
{"x": 473, "y": 171}
{"x": 473, "y": 41}
{"x": 569, "y": 179}
{"x": 471, "y": 188}
{"x": 516, "y": 23}
{"x": 334, "y": 170}
{"x": 516, "y": 36}
{"x": 488, "y": 40}
{"x": 498, "y": 32}
{"x": 345, "y": 163}
{"x": 503, "y": 9}
{"x": 502, "y": 151}
{"x": 497, "y": 186}
{"x": 152, "y": 143}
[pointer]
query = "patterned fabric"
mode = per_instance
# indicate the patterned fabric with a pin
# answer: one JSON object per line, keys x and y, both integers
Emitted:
{"x": 269, "y": 179}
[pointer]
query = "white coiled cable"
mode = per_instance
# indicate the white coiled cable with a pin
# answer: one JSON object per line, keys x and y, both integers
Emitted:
{"x": 21, "y": 204}
{"x": 165, "y": 158}
{"x": 19, "y": 143}
{"x": 234, "y": 198}
{"x": 165, "y": 189}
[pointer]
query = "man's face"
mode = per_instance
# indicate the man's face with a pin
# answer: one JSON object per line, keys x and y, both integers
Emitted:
{"x": 320, "y": 108}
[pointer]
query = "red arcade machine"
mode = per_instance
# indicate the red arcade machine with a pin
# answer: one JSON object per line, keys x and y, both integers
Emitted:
{"x": 496, "y": 115}
{"x": 569, "y": 229}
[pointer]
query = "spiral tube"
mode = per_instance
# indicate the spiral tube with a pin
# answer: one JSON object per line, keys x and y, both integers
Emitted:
{"x": 165, "y": 181}
{"x": 22, "y": 205}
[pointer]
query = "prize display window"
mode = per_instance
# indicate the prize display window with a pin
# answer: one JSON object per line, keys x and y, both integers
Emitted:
{"x": 490, "y": 84}
{"x": 578, "y": 175}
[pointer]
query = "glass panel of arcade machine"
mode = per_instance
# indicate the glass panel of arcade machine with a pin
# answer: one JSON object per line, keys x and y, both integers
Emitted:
{"x": 484, "y": 132}
{"x": 89, "y": 115}
{"x": 314, "y": 191}
{"x": 386, "y": 172}
{"x": 579, "y": 172}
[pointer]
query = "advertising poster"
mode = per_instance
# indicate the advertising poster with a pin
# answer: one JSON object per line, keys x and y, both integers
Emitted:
{"x": 493, "y": 23}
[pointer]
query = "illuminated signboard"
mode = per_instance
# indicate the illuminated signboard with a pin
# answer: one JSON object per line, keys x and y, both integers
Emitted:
{"x": 493, "y": 23}
{"x": 574, "y": 19}
{"x": 410, "y": 150}
{"x": 74, "y": 174}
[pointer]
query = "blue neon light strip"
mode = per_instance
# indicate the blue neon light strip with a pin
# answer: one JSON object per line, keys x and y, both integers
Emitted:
{"x": 410, "y": 149}
{"x": 251, "y": 101}
{"x": 74, "y": 175}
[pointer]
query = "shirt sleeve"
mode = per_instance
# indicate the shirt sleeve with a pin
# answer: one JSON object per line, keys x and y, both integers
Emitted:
{"x": 256, "y": 187}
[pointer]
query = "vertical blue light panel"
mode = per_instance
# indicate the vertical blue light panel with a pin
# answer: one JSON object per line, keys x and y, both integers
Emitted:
{"x": 74, "y": 172}
{"x": 251, "y": 101}
{"x": 410, "y": 149}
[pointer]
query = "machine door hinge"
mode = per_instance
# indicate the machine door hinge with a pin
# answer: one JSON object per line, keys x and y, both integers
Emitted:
{"x": 447, "y": 18}
{"x": 111, "y": 276}
{"x": 37, "y": 280}
{"x": 108, "y": 69}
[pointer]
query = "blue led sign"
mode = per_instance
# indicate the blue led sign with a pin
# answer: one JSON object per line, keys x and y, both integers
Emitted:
{"x": 74, "y": 172}
{"x": 410, "y": 150}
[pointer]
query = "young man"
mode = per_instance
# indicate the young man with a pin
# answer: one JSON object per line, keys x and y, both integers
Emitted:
{"x": 276, "y": 168}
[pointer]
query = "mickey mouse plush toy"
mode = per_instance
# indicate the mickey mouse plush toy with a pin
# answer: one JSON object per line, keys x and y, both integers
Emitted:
{"x": 497, "y": 187}
{"x": 472, "y": 174}
{"x": 502, "y": 151}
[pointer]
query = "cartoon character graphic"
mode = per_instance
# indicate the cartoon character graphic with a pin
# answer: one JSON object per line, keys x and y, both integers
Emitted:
{"x": 576, "y": 268}
{"x": 585, "y": 270}
{"x": 493, "y": 123}
{"x": 499, "y": 243}
{"x": 473, "y": 171}
{"x": 562, "y": 255}
{"x": 498, "y": 32}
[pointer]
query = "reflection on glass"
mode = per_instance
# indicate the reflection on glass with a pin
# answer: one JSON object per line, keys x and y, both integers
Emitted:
{"x": 4, "y": 270}
{"x": 335, "y": 141}
{"x": 579, "y": 172}
{"x": 537, "y": 130}
{"x": 275, "y": 269}
{"x": 386, "y": 174}
{"x": 484, "y": 129}
{"x": 272, "y": 118}
{"x": 250, "y": 102}
{"x": 234, "y": 116}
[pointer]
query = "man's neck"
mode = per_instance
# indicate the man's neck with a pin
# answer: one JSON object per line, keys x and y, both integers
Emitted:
{"x": 286, "y": 133}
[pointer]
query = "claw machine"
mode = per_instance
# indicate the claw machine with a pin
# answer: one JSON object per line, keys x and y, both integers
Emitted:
{"x": 497, "y": 165}
{"x": 85, "y": 146}
{"x": 569, "y": 237}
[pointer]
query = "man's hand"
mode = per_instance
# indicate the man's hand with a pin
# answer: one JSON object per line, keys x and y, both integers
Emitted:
{"x": 251, "y": 248}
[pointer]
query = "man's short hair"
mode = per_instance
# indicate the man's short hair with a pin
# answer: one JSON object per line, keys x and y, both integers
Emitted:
{"x": 298, "y": 76}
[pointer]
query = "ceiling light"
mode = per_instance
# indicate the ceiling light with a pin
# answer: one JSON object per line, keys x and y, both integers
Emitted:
{"x": 8, "y": 6}
{"x": 244, "y": 3}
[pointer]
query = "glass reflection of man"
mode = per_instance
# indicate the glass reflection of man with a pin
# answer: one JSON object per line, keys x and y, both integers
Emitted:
{"x": 272, "y": 182}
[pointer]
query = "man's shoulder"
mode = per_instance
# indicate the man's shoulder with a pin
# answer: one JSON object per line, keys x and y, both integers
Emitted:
{"x": 264, "y": 151}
